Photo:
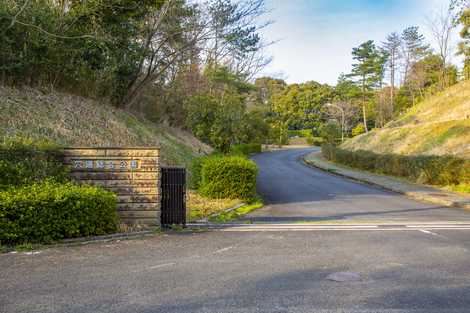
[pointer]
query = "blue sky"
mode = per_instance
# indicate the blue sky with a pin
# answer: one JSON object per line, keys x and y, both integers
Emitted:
{"x": 316, "y": 36}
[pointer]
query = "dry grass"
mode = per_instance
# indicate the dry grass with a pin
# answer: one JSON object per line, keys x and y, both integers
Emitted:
{"x": 76, "y": 121}
{"x": 439, "y": 125}
{"x": 200, "y": 207}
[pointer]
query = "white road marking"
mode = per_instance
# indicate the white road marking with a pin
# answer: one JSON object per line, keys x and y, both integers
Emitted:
{"x": 32, "y": 252}
{"x": 348, "y": 227}
{"x": 162, "y": 265}
{"x": 427, "y": 232}
{"x": 322, "y": 229}
{"x": 224, "y": 249}
{"x": 431, "y": 233}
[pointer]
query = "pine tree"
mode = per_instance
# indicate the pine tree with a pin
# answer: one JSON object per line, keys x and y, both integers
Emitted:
{"x": 414, "y": 48}
{"x": 464, "y": 45}
{"x": 392, "y": 47}
{"x": 368, "y": 70}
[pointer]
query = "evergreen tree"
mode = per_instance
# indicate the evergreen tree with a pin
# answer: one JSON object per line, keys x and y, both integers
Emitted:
{"x": 368, "y": 71}
{"x": 464, "y": 45}
{"x": 414, "y": 48}
{"x": 392, "y": 47}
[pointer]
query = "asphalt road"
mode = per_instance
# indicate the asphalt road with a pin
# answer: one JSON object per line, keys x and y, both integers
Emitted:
{"x": 397, "y": 270}
{"x": 221, "y": 272}
{"x": 295, "y": 192}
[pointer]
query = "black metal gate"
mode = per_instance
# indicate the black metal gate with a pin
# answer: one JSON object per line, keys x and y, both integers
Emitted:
{"x": 173, "y": 184}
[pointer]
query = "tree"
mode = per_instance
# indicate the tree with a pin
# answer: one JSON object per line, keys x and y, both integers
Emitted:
{"x": 219, "y": 116}
{"x": 441, "y": 26}
{"x": 344, "y": 107}
{"x": 414, "y": 48}
{"x": 392, "y": 47}
{"x": 267, "y": 88}
{"x": 368, "y": 71}
{"x": 167, "y": 37}
{"x": 235, "y": 41}
{"x": 464, "y": 45}
{"x": 330, "y": 132}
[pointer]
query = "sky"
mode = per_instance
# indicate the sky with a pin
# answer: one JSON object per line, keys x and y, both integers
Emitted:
{"x": 314, "y": 38}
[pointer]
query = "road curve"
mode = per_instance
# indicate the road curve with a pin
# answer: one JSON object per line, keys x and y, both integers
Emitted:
{"x": 295, "y": 192}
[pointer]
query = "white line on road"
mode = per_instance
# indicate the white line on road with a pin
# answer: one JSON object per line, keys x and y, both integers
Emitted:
{"x": 322, "y": 229}
{"x": 431, "y": 233}
{"x": 387, "y": 226}
{"x": 162, "y": 265}
{"x": 223, "y": 250}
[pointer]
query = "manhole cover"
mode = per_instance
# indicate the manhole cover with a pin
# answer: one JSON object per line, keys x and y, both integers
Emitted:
{"x": 344, "y": 277}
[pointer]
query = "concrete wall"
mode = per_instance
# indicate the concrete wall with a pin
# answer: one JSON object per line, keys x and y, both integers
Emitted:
{"x": 132, "y": 173}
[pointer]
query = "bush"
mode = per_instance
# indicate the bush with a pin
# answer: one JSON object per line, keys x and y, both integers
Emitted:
{"x": 245, "y": 149}
{"x": 49, "y": 211}
{"x": 358, "y": 130}
{"x": 232, "y": 177}
{"x": 302, "y": 133}
{"x": 195, "y": 172}
{"x": 24, "y": 162}
{"x": 433, "y": 170}
{"x": 330, "y": 132}
{"x": 315, "y": 141}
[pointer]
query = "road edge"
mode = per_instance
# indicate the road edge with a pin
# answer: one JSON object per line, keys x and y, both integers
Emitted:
{"x": 421, "y": 196}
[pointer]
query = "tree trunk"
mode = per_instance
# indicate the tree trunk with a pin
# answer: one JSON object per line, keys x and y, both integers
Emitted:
{"x": 364, "y": 103}
{"x": 392, "y": 83}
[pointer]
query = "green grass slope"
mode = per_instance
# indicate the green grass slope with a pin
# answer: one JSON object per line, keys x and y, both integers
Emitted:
{"x": 439, "y": 125}
{"x": 75, "y": 121}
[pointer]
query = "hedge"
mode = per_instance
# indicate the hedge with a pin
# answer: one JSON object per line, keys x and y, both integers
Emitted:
{"x": 433, "y": 170}
{"x": 48, "y": 211}
{"x": 245, "y": 149}
{"x": 195, "y": 172}
{"x": 315, "y": 141}
{"x": 303, "y": 133}
{"x": 24, "y": 162}
{"x": 232, "y": 177}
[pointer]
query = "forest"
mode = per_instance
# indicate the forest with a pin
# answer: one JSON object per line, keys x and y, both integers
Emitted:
{"x": 197, "y": 66}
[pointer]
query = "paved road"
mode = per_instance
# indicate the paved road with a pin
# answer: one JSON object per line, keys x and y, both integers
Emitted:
{"x": 400, "y": 270}
{"x": 222, "y": 272}
{"x": 295, "y": 192}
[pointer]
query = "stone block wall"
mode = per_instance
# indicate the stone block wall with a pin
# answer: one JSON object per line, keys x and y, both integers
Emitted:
{"x": 132, "y": 173}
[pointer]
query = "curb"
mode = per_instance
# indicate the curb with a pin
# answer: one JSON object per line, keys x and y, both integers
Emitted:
{"x": 71, "y": 242}
{"x": 214, "y": 215}
{"x": 411, "y": 195}
{"x": 117, "y": 236}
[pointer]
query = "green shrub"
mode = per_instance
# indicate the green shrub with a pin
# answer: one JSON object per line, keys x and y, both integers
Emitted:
{"x": 48, "y": 211}
{"x": 245, "y": 149}
{"x": 358, "y": 130}
{"x": 330, "y": 132}
{"x": 315, "y": 141}
{"x": 24, "y": 162}
{"x": 232, "y": 177}
{"x": 303, "y": 133}
{"x": 433, "y": 170}
{"x": 195, "y": 172}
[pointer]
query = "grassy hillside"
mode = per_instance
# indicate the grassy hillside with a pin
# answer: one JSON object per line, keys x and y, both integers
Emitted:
{"x": 75, "y": 121}
{"x": 437, "y": 126}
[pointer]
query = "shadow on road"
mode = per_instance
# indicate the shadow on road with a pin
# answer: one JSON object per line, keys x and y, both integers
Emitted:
{"x": 407, "y": 290}
{"x": 293, "y": 191}
{"x": 336, "y": 217}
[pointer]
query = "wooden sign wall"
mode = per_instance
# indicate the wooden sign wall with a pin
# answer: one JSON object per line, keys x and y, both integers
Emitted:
{"x": 132, "y": 173}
